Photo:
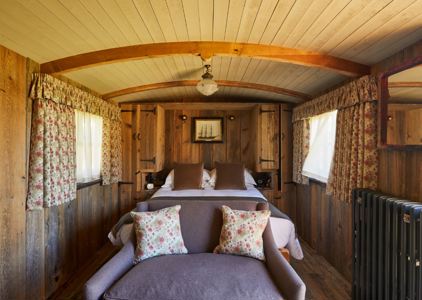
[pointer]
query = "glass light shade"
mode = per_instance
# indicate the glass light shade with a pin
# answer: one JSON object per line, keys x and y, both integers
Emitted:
{"x": 207, "y": 86}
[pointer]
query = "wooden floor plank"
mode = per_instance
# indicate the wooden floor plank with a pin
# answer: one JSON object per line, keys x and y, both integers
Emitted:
{"x": 322, "y": 280}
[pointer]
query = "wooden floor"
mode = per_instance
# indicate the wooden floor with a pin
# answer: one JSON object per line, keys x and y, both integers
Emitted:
{"x": 321, "y": 279}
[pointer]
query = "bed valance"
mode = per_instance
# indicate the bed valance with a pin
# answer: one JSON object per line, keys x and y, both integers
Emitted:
{"x": 47, "y": 87}
{"x": 360, "y": 90}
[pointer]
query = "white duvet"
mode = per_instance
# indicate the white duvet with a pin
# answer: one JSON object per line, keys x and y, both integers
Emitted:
{"x": 283, "y": 230}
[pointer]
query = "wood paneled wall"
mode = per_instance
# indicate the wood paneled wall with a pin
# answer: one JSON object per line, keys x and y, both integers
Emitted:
{"x": 326, "y": 224}
{"x": 12, "y": 174}
{"x": 400, "y": 171}
{"x": 40, "y": 250}
{"x": 237, "y": 145}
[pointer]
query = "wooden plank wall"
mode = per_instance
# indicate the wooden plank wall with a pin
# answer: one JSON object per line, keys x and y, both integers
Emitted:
{"x": 400, "y": 171}
{"x": 326, "y": 224}
{"x": 237, "y": 146}
{"x": 40, "y": 250}
{"x": 13, "y": 174}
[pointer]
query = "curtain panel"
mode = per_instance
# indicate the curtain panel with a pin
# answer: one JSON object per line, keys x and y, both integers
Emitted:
{"x": 52, "y": 169}
{"x": 355, "y": 161}
{"x": 301, "y": 136}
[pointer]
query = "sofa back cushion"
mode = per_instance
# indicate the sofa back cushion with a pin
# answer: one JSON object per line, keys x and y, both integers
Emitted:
{"x": 200, "y": 221}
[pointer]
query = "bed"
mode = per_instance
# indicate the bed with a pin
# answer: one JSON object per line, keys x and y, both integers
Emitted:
{"x": 282, "y": 227}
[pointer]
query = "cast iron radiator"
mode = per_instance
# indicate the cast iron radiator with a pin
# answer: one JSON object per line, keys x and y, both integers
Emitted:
{"x": 387, "y": 247}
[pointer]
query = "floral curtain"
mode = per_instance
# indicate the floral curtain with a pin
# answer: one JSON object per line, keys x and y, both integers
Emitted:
{"x": 300, "y": 149}
{"x": 52, "y": 176}
{"x": 355, "y": 161}
{"x": 111, "y": 164}
{"x": 52, "y": 179}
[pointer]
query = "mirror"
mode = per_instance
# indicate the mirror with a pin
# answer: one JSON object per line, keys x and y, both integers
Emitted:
{"x": 401, "y": 107}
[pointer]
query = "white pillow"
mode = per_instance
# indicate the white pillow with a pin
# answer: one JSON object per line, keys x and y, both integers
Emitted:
{"x": 170, "y": 179}
{"x": 249, "y": 181}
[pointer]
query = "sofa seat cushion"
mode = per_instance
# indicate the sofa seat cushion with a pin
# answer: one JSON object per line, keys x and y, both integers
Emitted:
{"x": 196, "y": 276}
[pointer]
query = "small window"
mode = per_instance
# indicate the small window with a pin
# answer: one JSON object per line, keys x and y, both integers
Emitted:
{"x": 321, "y": 146}
{"x": 89, "y": 131}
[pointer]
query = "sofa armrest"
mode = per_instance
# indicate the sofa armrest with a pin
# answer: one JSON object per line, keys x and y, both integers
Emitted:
{"x": 109, "y": 273}
{"x": 285, "y": 277}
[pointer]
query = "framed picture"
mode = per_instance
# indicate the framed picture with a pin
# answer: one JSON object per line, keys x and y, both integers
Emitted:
{"x": 207, "y": 130}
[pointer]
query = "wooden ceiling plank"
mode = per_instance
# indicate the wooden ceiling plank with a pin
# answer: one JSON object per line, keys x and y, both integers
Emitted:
{"x": 222, "y": 83}
{"x": 409, "y": 18}
{"x": 234, "y": 18}
{"x": 263, "y": 16}
{"x": 221, "y": 8}
{"x": 323, "y": 21}
{"x": 162, "y": 14}
{"x": 99, "y": 14}
{"x": 316, "y": 8}
{"x": 131, "y": 14}
{"x": 247, "y": 22}
{"x": 352, "y": 9}
{"x": 206, "y": 19}
{"x": 91, "y": 24}
{"x": 297, "y": 12}
{"x": 191, "y": 16}
{"x": 397, "y": 40}
{"x": 359, "y": 20}
{"x": 206, "y": 49}
{"x": 147, "y": 14}
{"x": 177, "y": 15}
{"x": 278, "y": 17}
{"x": 376, "y": 26}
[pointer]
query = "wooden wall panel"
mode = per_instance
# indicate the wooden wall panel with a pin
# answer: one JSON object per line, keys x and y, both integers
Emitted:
{"x": 13, "y": 174}
{"x": 237, "y": 145}
{"x": 326, "y": 225}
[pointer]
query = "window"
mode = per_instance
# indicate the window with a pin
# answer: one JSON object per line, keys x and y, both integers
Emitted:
{"x": 321, "y": 146}
{"x": 89, "y": 131}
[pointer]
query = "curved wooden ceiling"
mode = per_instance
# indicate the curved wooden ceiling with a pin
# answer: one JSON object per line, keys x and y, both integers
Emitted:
{"x": 337, "y": 37}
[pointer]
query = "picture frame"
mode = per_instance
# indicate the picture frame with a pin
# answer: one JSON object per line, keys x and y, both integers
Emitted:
{"x": 207, "y": 130}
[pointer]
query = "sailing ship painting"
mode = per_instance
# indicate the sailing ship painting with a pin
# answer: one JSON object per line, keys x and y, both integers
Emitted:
{"x": 207, "y": 130}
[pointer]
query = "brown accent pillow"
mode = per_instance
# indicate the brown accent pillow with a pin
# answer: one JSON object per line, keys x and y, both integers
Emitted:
{"x": 230, "y": 176}
{"x": 188, "y": 176}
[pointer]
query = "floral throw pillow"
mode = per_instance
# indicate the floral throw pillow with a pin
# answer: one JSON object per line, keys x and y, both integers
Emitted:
{"x": 158, "y": 233}
{"x": 242, "y": 231}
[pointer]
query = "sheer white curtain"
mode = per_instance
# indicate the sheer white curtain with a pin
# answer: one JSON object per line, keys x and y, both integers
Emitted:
{"x": 89, "y": 130}
{"x": 321, "y": 146}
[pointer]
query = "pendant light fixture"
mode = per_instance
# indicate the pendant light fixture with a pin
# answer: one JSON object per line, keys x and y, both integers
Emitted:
{"x": 207, "y": 86}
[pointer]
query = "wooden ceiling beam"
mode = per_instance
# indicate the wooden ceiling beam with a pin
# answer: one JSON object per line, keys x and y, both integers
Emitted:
{"x": 180, "y": 83}
{"x": 206, "y": 50}
{"x": 402, "y": 84}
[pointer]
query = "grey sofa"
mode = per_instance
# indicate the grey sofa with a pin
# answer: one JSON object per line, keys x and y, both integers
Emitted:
{"x": 199, "y": 274}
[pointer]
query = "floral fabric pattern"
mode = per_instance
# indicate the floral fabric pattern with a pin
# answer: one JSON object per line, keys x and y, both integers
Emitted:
{"x": 45, "y": 86}
{"x": 111, "y": 163}
{"x": 358, "y": 91}
{"x": 355, "y": 161}
{"x": 52, "y": 169}
{"x": 158, "y": 233}
{"x": 301, "y": 135}
{"x": 242, "y": 231}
